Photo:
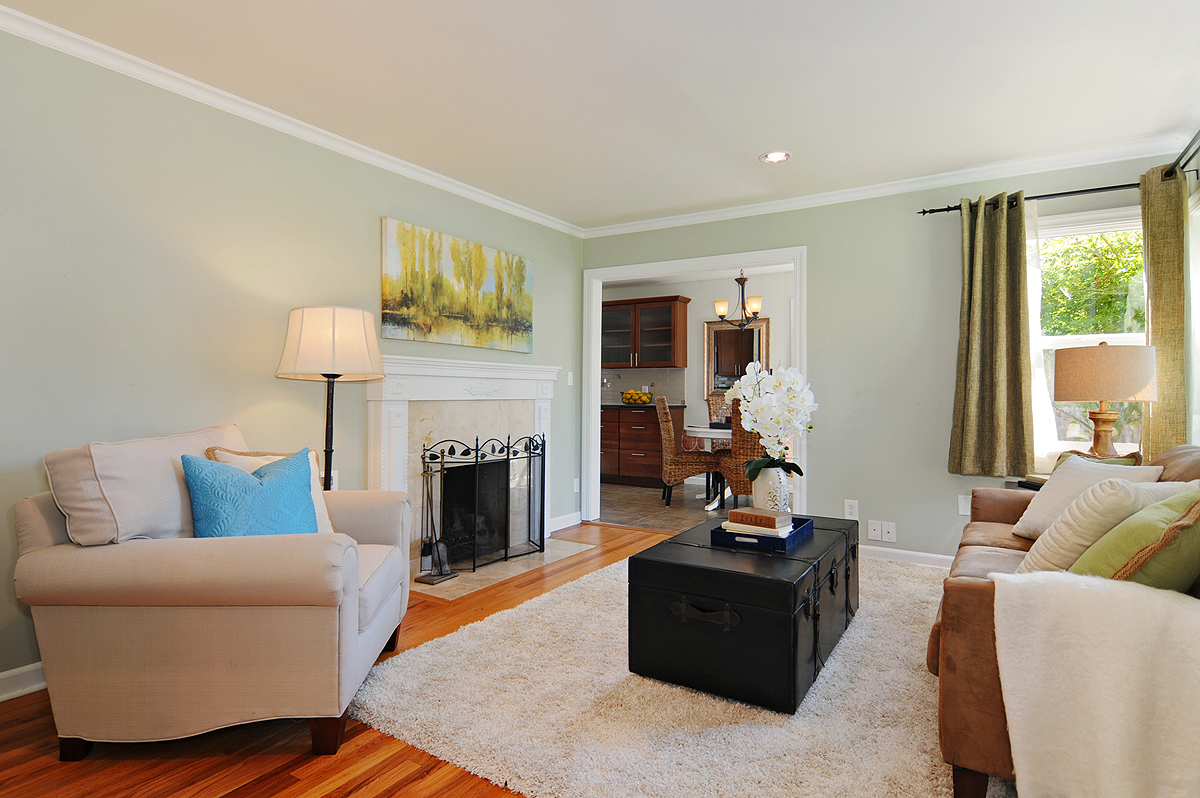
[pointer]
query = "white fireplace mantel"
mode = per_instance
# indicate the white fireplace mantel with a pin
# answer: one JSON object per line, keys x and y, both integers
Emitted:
{"x": 420, "y": 379}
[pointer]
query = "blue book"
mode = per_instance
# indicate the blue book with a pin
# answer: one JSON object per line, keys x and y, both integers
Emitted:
{"x": 802, "y": 528}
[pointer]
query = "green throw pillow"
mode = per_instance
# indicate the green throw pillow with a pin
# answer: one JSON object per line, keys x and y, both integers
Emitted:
{"x": 1129, "y": 459}
{"x": 1158, "y": 546}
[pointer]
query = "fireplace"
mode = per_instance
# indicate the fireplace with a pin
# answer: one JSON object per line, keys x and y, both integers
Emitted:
{"x": 485, "y": 502}
{"x": 422, "y": 400}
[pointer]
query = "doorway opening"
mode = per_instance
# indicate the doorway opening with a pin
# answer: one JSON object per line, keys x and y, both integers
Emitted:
{"x": 705, "y": 277}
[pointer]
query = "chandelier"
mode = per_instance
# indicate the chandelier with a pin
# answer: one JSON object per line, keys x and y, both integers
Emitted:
{"x": 748, "y": 306}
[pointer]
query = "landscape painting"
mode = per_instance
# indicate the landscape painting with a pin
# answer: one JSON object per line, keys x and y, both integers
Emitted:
{"x": 452, "y": 291}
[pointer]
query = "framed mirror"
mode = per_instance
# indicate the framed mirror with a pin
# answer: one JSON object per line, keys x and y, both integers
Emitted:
{"x": 727, "y": 351}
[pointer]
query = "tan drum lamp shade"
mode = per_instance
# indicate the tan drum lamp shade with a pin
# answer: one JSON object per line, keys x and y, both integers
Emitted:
{"x": 1105, "y": 374}
{"x": 330, "y": 343}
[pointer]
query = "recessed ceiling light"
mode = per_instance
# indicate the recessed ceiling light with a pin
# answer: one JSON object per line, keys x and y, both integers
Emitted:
{"x": 778, "y": 156}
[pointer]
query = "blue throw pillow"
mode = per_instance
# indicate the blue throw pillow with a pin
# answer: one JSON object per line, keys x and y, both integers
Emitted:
{"x": 274, "y": 499}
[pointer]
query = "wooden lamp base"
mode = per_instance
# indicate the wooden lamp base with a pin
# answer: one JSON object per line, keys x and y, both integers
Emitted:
{"x": 1102, "y": 431}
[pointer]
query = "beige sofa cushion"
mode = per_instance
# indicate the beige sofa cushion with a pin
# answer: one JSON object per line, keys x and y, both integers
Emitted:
{"x": 113, "y": 492}
{"x": 1066, "y": 484}
{"x": 380, "y": 570}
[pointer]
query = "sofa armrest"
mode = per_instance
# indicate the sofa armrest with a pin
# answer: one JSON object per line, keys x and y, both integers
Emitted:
{"x": 999, "y": 505}
{"x": 372, "y": 516}
{"x": 972, "y": 724}
{"x": 319, "y": 570}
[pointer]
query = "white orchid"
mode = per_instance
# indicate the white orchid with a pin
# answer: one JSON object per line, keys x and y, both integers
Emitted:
{"x": 778, "y": 407}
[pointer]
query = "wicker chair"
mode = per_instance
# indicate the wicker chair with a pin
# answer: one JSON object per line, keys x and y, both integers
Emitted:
{"x": 678, "y": 465}
{"x": 745, "y": 445}
{"x": 718, "y": 410}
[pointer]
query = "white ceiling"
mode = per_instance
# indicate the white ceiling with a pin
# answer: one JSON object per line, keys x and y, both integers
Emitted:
{"x": 603, "y": 113}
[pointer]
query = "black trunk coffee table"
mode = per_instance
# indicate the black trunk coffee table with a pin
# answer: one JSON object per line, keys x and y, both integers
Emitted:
{"x": 747, "y": 625}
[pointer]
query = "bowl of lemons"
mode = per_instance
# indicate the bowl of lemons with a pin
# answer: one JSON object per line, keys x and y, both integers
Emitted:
{"x": 636, "y": 397}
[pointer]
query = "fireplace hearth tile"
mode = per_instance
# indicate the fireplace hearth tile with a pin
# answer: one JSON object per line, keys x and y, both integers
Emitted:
{"x": 467, "y": 582}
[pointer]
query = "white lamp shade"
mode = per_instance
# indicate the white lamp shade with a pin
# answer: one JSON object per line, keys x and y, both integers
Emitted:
{"x": 330, "y": 340}
{"x": 753, "y": 305}
{"x": 721, "y": 306}
{"x": 1105, "y": 373}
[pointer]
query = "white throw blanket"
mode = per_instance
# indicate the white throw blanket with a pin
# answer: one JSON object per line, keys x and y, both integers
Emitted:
{"x": 1101, "y": 683}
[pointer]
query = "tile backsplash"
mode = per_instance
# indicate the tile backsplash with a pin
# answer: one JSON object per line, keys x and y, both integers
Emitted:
{"x": 662, "y": 382}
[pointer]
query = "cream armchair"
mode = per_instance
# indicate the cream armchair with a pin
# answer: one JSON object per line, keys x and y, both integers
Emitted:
{"x": 157, "y": 639}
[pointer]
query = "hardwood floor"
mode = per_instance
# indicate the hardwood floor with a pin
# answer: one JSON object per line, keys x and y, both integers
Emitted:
{"x": 273, "y": 758}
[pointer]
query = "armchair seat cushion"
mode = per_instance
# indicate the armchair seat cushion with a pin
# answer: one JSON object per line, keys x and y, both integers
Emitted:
{"x": 380, "y": 570}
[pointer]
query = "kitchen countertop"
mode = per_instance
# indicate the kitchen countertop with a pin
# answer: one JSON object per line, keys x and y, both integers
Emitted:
{"x": 616, "y": 405}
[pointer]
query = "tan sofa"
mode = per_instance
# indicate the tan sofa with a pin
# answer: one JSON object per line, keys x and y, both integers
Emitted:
{"x": 972, "y": 726}
{"x": 168, "y": 636}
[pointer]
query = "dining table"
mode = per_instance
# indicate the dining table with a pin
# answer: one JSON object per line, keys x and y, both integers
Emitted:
{"x": 709, "y": 434}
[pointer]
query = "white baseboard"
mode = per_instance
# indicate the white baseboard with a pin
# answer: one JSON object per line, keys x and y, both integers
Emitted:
{"x": 901, "y": 555}
{"x": 22, "y": 681}
{"x": 563, "y": 521}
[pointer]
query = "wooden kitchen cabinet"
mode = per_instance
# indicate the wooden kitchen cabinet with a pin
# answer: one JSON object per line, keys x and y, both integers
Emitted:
{"x": 650, "y": 332}
{"x": 631, "y": 444}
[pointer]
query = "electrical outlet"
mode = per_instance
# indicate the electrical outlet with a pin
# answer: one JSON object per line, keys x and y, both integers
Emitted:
{"x": 874, "y": 530}
{"x": 577, "y": 485}
{"x": 850, "y": 509}
{"x": 889, "y": 531}
{"x": 964, "y": 505}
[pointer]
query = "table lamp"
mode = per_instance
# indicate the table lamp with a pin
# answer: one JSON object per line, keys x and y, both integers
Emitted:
{"x": 1105, "y": 374}
{"x": 330, "y": 343}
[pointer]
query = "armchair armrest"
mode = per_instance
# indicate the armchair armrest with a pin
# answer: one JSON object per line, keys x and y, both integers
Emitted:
{"x": 372, "y": 516}
{"x": 270, "y": 570}
{"x": 999, "y": 505}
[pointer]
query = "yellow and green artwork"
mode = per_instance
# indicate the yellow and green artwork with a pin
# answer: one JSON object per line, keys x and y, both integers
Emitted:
{"x": 452, "y": 291}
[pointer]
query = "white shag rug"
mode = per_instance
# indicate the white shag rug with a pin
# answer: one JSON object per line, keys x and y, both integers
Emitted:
{"x": 539, "y": 698}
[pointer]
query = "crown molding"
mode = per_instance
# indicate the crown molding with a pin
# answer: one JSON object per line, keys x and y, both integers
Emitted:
{"x": 64, "y": 41}
{"x": 1145, "y": 149}
{"x": 35, "y": 30}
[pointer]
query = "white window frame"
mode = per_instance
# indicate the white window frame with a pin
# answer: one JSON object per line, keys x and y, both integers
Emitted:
{"x": 1047, "y": 447}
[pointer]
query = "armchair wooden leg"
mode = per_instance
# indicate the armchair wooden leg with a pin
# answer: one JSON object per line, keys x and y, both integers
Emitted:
{"x": 327, "y": 734}
{"x": 73, "y": 749}
{"x": 390, "y": 645}
{"x": 969, "y": 783}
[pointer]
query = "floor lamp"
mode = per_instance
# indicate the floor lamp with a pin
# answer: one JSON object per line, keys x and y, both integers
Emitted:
{"x": 330, "y": 343}
{"x": 1105, "y": 374}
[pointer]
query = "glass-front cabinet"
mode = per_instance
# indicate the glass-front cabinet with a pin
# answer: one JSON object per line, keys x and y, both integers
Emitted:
{"x": 644, "y": 333}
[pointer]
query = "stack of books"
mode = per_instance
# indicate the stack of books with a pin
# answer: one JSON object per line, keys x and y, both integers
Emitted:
{"x": 766, "y": 530}
{"x": 759, "y": 522}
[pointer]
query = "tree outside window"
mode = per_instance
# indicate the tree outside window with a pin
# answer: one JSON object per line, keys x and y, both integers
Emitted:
{"x": 1093, "y": 288}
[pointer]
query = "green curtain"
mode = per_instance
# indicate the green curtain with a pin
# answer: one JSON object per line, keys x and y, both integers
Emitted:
{"x": 1164, "y": 253}
{"x": 993, "y": 405}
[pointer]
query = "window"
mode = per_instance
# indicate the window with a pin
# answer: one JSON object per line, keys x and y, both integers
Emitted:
{"x": 1086, "y": 286}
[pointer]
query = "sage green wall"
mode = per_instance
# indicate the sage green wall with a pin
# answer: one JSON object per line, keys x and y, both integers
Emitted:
{"x": 150, "y": 249}
{"x": 883, "y": 297}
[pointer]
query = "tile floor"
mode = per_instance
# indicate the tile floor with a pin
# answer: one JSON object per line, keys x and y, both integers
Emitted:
{"x": 631, "y": 505}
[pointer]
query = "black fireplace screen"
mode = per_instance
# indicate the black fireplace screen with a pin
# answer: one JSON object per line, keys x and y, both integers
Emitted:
{"x": 489, "y": 497}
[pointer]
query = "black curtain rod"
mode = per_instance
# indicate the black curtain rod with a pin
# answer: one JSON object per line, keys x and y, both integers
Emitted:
{"x": 1180, "y": 161}
{"x": 1056, "y": 195}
